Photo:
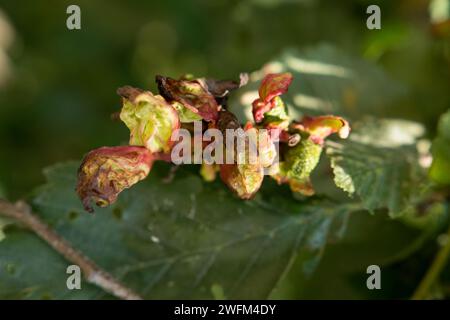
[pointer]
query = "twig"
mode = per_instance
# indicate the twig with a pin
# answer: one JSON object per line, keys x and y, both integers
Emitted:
{"x": 93, "y": 273}
{"x": 433, "y": 272}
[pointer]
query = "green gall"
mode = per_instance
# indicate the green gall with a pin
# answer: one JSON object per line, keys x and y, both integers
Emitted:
{"x": 301, "y": 159}
{"x": 150, "y": 118}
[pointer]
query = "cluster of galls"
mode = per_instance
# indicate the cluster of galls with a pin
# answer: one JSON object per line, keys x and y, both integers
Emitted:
{"x": 152, "y": 119}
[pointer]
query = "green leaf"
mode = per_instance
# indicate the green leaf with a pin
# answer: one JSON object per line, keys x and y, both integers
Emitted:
{"x": 3, "y": 224}
{"x": 440, "y": 168}
{"x": 380, "y": 164}
{"x": 369, "y": 239}
{"x": 185, "y": 239}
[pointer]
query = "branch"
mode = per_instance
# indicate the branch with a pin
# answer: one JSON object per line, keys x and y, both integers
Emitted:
{"x": 93, "y": 273}
{"x": 433, "y": 272}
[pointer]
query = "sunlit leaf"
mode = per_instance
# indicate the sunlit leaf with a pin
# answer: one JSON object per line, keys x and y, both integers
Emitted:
{"x": 329, "y": 81}
{"x": 384, "y": 174}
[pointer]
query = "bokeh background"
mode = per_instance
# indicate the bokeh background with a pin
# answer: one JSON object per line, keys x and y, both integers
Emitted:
{"x": 58, "y": 87}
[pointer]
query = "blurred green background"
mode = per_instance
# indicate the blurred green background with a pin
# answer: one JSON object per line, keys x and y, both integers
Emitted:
{"x": 57, "y": 86}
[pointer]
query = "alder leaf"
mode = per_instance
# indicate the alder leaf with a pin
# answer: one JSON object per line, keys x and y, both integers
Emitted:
{"x": 379, "y": 163}
{"x": 184, "y": 239}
